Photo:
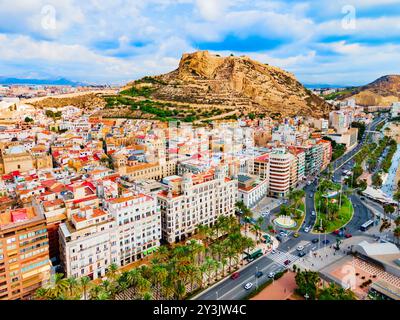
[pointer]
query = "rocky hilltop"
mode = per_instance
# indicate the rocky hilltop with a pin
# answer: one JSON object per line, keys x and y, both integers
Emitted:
{"x": 238, "y": 83}
{"x": 383, "y": 91}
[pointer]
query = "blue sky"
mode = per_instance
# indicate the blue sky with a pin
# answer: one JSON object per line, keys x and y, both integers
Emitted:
{"x": 345, "y": 42}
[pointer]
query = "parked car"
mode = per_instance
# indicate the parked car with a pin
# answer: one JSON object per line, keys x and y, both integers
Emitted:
{"x": 306, "y": 229}
{"x": 315, "y": 240}
{"x": 259, "y": 274}
{"x": 273, "y": 251}
{"x": 235, "y": 275}
{"x": 326, "y": 241}
{"x": 336, "y": 232}
{"x": 248, "y": 285}
{"x": 296, "y": 235}
{"x": 313, "y": 213}
{"x": 279, "y": 238}
{"x": 271, "y": 275}
{"x": 348, "y": 235}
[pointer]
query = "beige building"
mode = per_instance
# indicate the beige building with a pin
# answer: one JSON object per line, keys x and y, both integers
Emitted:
{"x": 88, "y": 243}
{"x": 194, "y": 200}
{"x": 138, "y": 220}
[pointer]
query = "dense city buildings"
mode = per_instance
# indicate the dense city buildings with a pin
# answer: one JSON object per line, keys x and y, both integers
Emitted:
{"x": 111, "y": 191}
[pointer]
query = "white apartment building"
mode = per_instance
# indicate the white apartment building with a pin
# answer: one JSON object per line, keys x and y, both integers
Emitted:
{"x": 88, "y": 243}
{"x": 286, "y": 135}
{"x": 395, "y": 110}
{"x": 194, "y": 200}
{"x": 280, "y": 171}
{"x": 138, "y": 221}
{"x": 251, "y": 190}
{"x": 340, "y": 121}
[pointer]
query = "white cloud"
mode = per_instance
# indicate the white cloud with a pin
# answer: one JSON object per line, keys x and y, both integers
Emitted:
{"x": 118, "y": 40}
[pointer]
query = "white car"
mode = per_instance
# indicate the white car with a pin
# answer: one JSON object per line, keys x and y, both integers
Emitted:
{"x": 265, "y": 214}
{"x": 306, "y": 229}
{"x": 300, "y": 248}
{"x": 313, "y": 213}
{"x": 273, "y": 251}
{"x": 248, "y": 285}
{"x": 271, "y": 275}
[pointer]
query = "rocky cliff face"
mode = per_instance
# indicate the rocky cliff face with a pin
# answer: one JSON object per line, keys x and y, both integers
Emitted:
{"x": 238, "y": 83}
{"x": 383, "y": 91}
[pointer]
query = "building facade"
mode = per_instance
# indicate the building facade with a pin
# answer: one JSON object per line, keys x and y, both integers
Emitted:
{"x": 194, "y": 200}
{"x": 24, "y": 253}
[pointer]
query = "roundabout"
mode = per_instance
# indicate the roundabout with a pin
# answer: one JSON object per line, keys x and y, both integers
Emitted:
{"x": 285, "y": 222}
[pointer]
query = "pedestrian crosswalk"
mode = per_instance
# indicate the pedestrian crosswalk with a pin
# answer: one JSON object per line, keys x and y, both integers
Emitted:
{"x": 280, "y": 257}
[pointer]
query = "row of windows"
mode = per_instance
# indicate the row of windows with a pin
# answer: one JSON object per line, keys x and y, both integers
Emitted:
{"x": 34, "y": 265}
{"x": 45, "y": 243}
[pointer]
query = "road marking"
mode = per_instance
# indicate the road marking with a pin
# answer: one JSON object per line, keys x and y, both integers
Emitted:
{"x": 248, "y": 279}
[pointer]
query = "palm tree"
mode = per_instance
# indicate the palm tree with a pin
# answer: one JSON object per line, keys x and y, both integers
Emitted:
{"x": 388, "y": 209}
{"x": 84, "y": 282}
{"x": 203, "y": 231}
{"x": 256, "y": 229}
{"x": 72, "y": 286}
{"x": 112, "y": 272}
{"x": 162, "y": 253}
{"x": 143, "y": 285}
{"x": 148, "y": 296}
{"x": 247, "y": 215}
{"x": 210, "y": 265}
{"x": 396, "y": 197}
{"x": 203, "y": 270}
{"x": 194, "y": 275}
{"x": 133, "y": 277}
{"x": 230, "y": 254}
{"x": 102, "y": 295}
{"x": 159, "y": 275}
{"x": 60, "y": 285}
{"x": 224, "y": 262}
{"x": 396, "y": 233}
{"x": 219, "y": 224}
{"x": 41, "y": 294}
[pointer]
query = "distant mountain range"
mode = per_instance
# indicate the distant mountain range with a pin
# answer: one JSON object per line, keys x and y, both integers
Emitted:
{"x": 323, "y": 86}
{"x": 55, "y": 82}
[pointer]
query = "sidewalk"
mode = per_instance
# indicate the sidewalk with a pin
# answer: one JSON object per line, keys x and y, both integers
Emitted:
{"x": 281, "y": 289}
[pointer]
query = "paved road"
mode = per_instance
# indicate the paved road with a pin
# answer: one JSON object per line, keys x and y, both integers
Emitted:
{"x": 234, "y": 289}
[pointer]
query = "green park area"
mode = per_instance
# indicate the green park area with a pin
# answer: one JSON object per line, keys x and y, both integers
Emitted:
{"x": 333, "y": 208}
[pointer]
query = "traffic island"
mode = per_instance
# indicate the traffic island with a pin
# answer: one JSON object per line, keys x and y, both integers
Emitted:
{"x": 333, "y": 212}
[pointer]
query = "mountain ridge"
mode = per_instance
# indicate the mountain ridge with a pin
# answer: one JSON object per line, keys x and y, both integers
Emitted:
{"x": 383, "y": 91}
{"x": 235, "y": 82}
{"x": 33, "y": 81}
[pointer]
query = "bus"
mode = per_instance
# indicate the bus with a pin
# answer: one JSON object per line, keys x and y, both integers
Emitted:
{"x": 367, "y": 225}
{"x": 254, "y": 255}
